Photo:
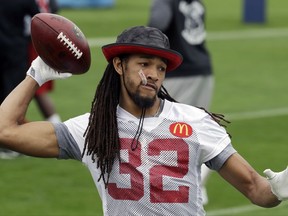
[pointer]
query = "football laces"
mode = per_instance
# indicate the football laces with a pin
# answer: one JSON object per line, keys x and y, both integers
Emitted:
{"x": 70, "y": 45}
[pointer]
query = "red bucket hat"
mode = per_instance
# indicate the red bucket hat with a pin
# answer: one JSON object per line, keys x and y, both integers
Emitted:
{"x": 147, "y": 40}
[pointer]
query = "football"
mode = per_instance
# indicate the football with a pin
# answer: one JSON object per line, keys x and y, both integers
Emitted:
{"x": 60, "y": 43}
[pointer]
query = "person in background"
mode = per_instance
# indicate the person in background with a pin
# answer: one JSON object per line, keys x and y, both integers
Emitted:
{"x": 144, "y": 150}
{"x": 183, "y": 21}
{"x": 14, "y": 43}
{"x": 42, "y": 98}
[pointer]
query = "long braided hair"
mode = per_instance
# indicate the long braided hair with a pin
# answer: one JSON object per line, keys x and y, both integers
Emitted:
{"x": 102, "y": 140}
{"x": 219, "y": 118}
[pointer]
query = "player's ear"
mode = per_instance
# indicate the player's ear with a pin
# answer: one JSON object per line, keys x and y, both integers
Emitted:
{"x": 117, "y": 63}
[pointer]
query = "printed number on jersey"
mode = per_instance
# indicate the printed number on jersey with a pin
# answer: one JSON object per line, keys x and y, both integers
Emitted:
{"x": 174, "y": 166}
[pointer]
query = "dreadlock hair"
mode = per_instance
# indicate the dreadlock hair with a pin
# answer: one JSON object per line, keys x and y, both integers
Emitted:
{"x": 219, "y": 118}
{"x": 102, "y": 141}
{"x": 163, "y": 94}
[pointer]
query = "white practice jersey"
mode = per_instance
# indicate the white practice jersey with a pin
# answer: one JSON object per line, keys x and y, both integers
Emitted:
{"x": 162, "y": 175}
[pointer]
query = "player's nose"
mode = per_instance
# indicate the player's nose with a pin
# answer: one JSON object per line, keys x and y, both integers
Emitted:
{"x": 152, "y": 73}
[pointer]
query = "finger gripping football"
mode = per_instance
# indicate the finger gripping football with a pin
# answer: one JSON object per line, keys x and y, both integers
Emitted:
{"x": 60, "y": 43}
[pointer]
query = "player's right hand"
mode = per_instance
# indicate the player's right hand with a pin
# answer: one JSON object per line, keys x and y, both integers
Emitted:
{"x": 42, "y": 73}
{"x": 278, "y": 182}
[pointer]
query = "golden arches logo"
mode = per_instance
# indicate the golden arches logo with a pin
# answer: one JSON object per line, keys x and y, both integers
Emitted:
{"x": 181, "y": 129}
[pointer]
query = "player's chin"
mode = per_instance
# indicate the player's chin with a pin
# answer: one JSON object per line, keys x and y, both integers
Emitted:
{"x": 145, "y": 101}
{"x": 149, "y": 96}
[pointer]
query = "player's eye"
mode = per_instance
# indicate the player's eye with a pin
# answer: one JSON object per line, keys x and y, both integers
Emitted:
{"x": 143, "y": 64}
{"x": 161, "y": 68}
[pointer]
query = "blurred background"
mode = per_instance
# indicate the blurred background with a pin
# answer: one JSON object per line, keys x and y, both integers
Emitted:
{"x": 248, "y": 42}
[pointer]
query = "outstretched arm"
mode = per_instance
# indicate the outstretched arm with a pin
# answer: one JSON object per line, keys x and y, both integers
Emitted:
{"x": 243, "y": 177}
{"x": 36, "y": 138}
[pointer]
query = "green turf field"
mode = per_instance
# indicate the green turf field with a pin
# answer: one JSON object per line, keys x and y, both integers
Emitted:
{"x": 250, "y": 63}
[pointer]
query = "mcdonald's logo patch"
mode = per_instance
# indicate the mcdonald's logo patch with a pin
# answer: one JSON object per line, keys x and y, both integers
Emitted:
{"x": 181, "y": 129}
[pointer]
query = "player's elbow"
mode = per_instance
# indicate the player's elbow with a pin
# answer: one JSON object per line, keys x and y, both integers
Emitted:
{"x": 6, "y": 135}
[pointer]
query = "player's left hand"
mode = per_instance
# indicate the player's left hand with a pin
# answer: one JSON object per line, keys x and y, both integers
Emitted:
{"x": 278, "y": 182}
